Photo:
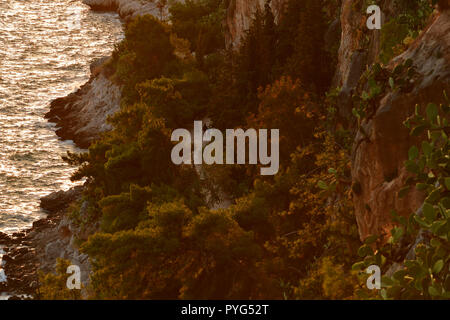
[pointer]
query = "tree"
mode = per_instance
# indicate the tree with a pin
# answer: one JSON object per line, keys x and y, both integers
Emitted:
{"x": 146, "y": 53}
{"x": 310, "y": 61}
{"x": 255, "y": 60}
{"x": 284, "y": 105}
{"x": 200, "y": 22}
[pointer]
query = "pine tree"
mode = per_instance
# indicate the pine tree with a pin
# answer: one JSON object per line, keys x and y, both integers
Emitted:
{"x": 310, "y": 59}
{"x": 257, "y": 57}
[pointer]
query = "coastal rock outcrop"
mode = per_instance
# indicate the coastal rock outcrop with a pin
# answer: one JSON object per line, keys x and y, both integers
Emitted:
{"x": 38, "y": 248}
{"x": 377, "y": 166}
{"x": 354, "y": 55}
{"x": 82, "y": 115}
{"x": 378, "y": 162}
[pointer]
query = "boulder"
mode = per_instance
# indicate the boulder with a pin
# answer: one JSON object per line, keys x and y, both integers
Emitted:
{"x": 60, "y": 200}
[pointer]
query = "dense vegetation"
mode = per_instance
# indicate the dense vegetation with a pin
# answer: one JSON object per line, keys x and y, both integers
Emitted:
{"x": 291, "y": 236}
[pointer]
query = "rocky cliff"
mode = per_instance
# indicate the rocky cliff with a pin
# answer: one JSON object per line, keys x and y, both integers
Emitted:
{"x": 377, "y": 166}
{"x": 354, "y": 54}
{"x": 37, "y": 248}
{"x": 82, "y": 115}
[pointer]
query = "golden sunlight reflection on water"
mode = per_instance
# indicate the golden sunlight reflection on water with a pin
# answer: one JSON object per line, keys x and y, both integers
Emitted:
{"x": 46, "y": 47}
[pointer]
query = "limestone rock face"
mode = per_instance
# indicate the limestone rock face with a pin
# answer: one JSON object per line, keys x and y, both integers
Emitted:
{"x": 353, "y": 56}
{"x": 37, "y": 248}
{"x": 240, "y": 14}
{"x": 81, "y": 116}
{"x": 378, "y": 165}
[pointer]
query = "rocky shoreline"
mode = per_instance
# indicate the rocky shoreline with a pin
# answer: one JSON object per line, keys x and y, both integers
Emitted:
{"x": 81, "y": 116}
{"x": 37, "y": 248}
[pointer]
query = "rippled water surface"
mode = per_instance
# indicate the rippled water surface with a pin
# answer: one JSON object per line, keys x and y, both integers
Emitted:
{"x": 46, "y": 47}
